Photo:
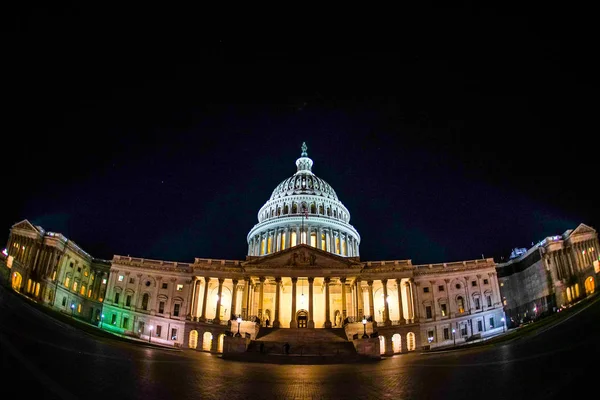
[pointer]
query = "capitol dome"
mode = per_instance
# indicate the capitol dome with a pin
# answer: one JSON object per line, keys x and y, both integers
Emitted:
{"x": 303, "y": 209}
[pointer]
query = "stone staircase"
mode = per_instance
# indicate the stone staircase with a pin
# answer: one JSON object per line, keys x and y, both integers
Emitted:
{"x": 307, "y": 346}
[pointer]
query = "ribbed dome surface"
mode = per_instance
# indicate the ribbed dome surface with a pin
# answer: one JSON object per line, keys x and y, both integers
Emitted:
{"x": 303, "y": 183}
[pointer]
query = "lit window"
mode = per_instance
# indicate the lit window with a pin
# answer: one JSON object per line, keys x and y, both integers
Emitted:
{"x": 104, "y": 281}
{"x": 121, "y": 278}
{"x": 85, "y": 273}
{"x": 75, "y": 286}
{"x": 179, "y": 287}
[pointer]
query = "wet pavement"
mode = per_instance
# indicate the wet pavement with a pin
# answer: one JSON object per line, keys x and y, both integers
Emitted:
{"x": 43, "y": 356}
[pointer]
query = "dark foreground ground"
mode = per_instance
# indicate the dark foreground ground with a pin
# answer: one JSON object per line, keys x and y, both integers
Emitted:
{"x": 42, "y": 356}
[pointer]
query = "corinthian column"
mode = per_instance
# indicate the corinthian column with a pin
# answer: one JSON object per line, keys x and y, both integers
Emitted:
{"x": 401, "y": 311}
{"x": 344, "y": 312}
{"x": 276, "y": 322}
{"x": 311, "y": 322}
{"x": 327, "y": 311}
{"x": 371, "y": 305}
{"x": 386, "y": 317}
{"x": 218, "y": 309}
{"x": 233, "y": 307}
{"x": 203, "y": 316}
{"x": 293, "y": 320}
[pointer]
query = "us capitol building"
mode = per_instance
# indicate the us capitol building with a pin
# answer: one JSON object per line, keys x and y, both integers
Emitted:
{"x": 302, "y": 273}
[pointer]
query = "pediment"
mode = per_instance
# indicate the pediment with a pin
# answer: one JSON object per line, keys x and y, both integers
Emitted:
{"x": 582, "y": 229}
{"x": 303, "y": 257}
{"x": 25, "y": 225}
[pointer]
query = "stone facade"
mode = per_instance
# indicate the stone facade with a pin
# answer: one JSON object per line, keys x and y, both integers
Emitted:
{"x": 312, "y": 279}
{"x": 553, "y": 273}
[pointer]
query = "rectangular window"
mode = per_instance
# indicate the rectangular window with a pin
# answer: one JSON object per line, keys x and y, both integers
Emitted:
{"x": 82, "y": 290}
{"x": 64, "y": 302}
{"x": 173, "y": 334}
{"x": 176, "y": 310}
{"x": 131, "y": 280}
{"x": 125, "y": 322}
{"x": 121, "y": 278}
{"x": 440, "y": 288}
{"x": 89, "y": 293}
{"x": 444, "y": 311}
{"x": 117, "y": 298}
{"x": 479, "y": 326}
{"x": 158, "y": 330}
{"x": 104, "y": 281}
{"x": 463, "y": 330}
{"x": 430, "y": 336}
{"x": 489, "y": 301}
{"x": 477, "y": 303}
{"x": 165, "y": 285}
{"x": 78, "y": 269}
{"x": 491, "y": 322}
{"x": 141, "y": 327}
{"x": 75, "y": 286}
{"x": 485, "y": 281}
{"x": 473, "y": 283}
{"x": 86, "y": 273}
{"x": 428, "y": 311}
{"x": 446, "y": 333}
{"x": 179, "y": 287}
{"x": 426, "y": 290}
{"x": 128, "y": 300}
{"x": 113, "y": 319}
{"x": 161, "y": 307}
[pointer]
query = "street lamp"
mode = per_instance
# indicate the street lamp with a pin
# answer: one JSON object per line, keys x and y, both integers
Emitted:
{"x": 364, "y": 322}
{"x": 150, "y": 335}
{"x": 454, "y": 336}
{"x": 503, "y": 325}
{"x": 72, "y": 309}
{"x": 101, "y": 320}
{"x": 239, "y": 321}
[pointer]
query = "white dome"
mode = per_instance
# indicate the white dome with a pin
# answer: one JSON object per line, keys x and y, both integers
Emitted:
{"x": 306, "y": 209}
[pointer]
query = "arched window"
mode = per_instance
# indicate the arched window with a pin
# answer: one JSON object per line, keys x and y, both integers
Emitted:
{"x": 410, "y": 339}
{"x": 193, "y": 341}
{"x": 294, "y": 208}
{"x": 313, "y": 208}
{"x": 321, "y": 209}
{"x": 286, "y": 209}
{"x": 145, "y": 301}
{"x": 460, "y": 303}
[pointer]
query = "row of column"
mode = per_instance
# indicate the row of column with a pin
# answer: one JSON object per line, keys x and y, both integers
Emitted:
{"x": 569, "y": 261}
{"x": 280, "y": 239}
{"x": 249, "y": 292}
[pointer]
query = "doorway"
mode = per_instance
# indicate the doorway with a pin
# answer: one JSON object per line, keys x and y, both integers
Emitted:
{"x": 302, "y": 319}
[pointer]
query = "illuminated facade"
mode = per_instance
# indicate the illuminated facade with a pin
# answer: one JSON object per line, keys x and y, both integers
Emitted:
{"x": 55, "y": 271}
{"x": 552, "y": 274}
{"x": 302, "y": 271}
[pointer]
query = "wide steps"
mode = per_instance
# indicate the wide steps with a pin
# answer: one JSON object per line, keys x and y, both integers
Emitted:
{"x": 301, "y": 335}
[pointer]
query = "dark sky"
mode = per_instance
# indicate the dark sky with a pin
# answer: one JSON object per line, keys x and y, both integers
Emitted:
{"x": 448, "y": 133}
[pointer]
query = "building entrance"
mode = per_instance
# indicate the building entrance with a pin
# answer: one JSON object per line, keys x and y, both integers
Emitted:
{"x": 302, "y": 319}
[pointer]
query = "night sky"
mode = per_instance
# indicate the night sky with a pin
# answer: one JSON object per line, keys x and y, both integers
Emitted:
{"x": 449, "y": 134}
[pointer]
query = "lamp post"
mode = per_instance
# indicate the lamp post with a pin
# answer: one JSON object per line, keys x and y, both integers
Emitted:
{"x": 150, "y": 335}
{"x": 72, "y": 309}
{"x": 101, "y": 320}
{"x": 503, "y": 325}
{"x": 239, "y": 321}
{"x": 364, "y": 322}
{"x": 454, "y": 336}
